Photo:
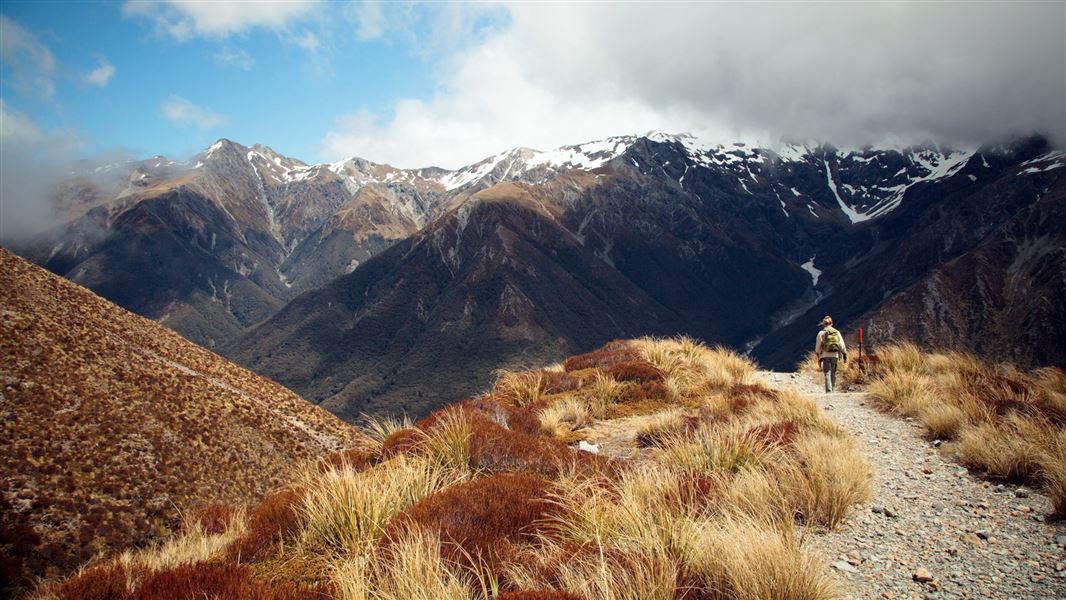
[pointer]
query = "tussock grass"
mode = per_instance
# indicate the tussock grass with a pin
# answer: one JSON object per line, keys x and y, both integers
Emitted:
{"x": 414, "y": 570}
{"x": 715, "y": 449}
{"x": 347, "y": 510}
{"x": 520, "y": 389}
{"x": 741, "y": 559}
{"x": 483, "y": 499}
{"x": 835, "y": 478}
{"x": 1004, "y": 422}
{"x": 562, "y": 418}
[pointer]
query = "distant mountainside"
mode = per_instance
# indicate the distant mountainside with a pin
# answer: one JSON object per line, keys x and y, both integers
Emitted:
{"x": 744, "y": 247}
{"x": 1005, "y": 298}
{"x": 112, "y": 425}
{"x": 396, "y": 281}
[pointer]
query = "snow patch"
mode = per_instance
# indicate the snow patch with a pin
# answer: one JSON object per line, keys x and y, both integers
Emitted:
{"x": 853, "y": 215}
{"x": 810, "y": 268}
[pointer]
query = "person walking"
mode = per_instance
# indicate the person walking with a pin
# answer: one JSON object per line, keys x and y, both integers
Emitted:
{"x": 829, "y": 346}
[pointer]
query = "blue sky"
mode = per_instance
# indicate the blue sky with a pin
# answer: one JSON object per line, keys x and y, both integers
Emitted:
{"x": 173, "y": 93}
{"x": 449, "y": 83}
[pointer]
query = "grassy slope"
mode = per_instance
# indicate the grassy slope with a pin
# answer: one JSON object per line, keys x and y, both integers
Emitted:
{"x": 485, "y": 498}
{"x": 111, "y": 425}
{"x": 1004, "y": 422}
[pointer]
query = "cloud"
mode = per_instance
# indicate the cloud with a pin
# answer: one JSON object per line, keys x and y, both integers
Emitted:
{"x": 101, "y": 75}
{"x": 234, "y": 57}
{"x": 846, "y": 73}
{"x": 183, "y": 112}
{"x": 31, "y": 62}
{"x": 185, "y": 19}
{"x": 34, "y": 162}
{"x": 16, "y": 127}
{"x": 307, "y": 40}
{"x": 369, "y": 18}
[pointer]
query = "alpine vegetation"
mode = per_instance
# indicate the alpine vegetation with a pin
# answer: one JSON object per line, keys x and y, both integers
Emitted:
{"x": 1007, "y": 423}
{"x": 692, "y": 481}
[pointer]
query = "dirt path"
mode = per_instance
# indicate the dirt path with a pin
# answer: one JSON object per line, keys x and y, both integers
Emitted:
{"x": 974, "y": 538}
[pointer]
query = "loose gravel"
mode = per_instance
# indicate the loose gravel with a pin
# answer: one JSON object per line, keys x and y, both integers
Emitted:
{"x": 933, "y": 529}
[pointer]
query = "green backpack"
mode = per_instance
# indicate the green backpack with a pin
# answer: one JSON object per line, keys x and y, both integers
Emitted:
{"x": 831, "y": 343}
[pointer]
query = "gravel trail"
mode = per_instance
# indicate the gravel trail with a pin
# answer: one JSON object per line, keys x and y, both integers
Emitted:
{"x": 931, "y": 518}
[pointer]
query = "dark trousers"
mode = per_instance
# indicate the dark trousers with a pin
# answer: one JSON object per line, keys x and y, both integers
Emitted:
{"x": 829, "y": 367}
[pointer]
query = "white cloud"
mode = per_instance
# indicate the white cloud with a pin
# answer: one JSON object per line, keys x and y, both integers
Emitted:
{"x": 16, "y": 127}
{"x": 307, "y": 40}
{"x": 847, "y": 73}
{"x": 34, "y": 162}
{"x": 370, "y": 22}
{"x": 101, "y": 75}
{"x": 183, "y": 112}
{"x": 184, "y": 19}
{"x": 234, "y": 57}
{"x": 31, "y": 62}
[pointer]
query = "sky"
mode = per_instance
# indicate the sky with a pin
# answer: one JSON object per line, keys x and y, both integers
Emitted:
{"x": 448, "y": 84}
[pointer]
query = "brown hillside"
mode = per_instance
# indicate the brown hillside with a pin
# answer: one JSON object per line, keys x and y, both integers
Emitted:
{"x": 112, "y": 425}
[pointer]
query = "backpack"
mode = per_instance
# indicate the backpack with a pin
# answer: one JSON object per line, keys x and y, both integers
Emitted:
{"x": 831, "y": 342}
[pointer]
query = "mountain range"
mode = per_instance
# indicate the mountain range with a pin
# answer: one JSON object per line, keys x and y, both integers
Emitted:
{"x": 367, "y": 288}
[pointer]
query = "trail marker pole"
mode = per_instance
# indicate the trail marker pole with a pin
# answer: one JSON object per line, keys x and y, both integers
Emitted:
{"x": 862, "y": 365}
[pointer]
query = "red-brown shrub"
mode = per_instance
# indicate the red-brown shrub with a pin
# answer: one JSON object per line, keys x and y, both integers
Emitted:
{"x": 655, "y": 437}
{"x": 213, "y": 518}
{"x": 781, "y": 433}
{"x": 612, "y": 353}
{"x": 354, "y": 458}
{"x": 742, "y": 395}
{"x": 694, "y": 490}
{"x": 635, "y": 370}
{"x": 556, "y": 382}
{"x": 274, "y": 519}
{"x": 511, "y": 417}
{"x": 480, "y": 518}
{"x": 218, "y": 581}
{"x": 401, "y": 442}
{"x": 106, "y": 582}
{"x": 497, "y": 449}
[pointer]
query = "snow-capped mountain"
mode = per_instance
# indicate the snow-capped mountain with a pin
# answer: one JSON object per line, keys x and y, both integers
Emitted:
{"x": 735, "y": 243}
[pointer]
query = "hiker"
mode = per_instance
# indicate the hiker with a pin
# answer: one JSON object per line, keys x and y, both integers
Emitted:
{"x": 829, "y": 346}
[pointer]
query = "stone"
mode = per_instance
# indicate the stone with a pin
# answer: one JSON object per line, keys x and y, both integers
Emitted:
{"x": 1021, "y": 493}
{"x": 984, "y": 535}
{"x": 1061, "y": 540}
{"x": 890, "y": 513}
{"x": 877, "y": 509}
{"x": 938, "y": 443}
{"x": 841, "y": 565}
{"x": 1000, "y": 487}
{"x": 922, "y": 575}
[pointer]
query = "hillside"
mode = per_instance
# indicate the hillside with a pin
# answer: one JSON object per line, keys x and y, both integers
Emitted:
{"x": 113, "y": 426}
{"x": 703, "y": 496}
{"x": 496, "y": 283}
{"x": 1005, "y": 299}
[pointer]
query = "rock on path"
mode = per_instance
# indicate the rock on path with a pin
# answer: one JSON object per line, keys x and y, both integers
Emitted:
{"x": 931, "y": 528}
